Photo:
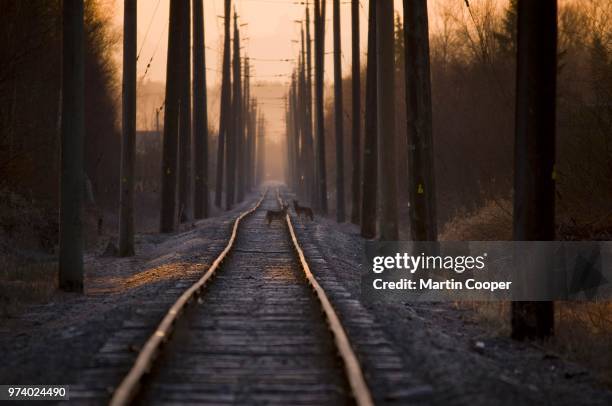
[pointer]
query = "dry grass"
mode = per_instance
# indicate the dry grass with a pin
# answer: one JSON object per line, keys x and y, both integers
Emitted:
{"x": 22, "y": 284}
{"x": 583, "y": 330}
{"x": 584, "y": 334}
{"x": 493, "y": 222}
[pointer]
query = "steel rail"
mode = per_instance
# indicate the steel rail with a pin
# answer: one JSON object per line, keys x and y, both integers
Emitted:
{"x": 130, "y": 385}
{"x": 359, "y": 387}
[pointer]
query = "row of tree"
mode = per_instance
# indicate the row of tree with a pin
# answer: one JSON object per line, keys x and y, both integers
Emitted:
{"x": 374, "y": 193}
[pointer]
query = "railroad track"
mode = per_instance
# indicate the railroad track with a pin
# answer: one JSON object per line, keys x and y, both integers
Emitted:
{"x": 250, "y": 330}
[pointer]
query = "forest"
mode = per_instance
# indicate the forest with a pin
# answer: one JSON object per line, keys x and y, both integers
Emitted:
{"x": 30, "y": 115}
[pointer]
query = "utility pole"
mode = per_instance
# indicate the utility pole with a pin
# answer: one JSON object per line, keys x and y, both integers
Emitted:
{"x": 370, "y": 150}
{"x": 296, "y": 133}
{"x": 170, "y": 139}
{"x": 253, "y": 136}
{"x": 423, "y": 223}
{"x": 301, "y": 106}
{"x": 73, "y": 134}
{"x": 310, "y": 154}
{"x": 242, "y": 147}
{"x": 290, "y": 138}
{"x": 534, "y": 153}
{"x": 185, "y": 114}
{"x": 225, "y": 114}
{"x": 261, "y": 148}
{"x": 200, "y": 113}
{"x": 321, "y": 170}
{"x": 306, "y": 158}
{"x": 157, "y": 111}
{"x": 128, "y": 136}
{"x": 338, "y": 114}
{"x": 356, "y": 81}
{"x": 234, "y": 141}
{"x": 387, "y": 165}
{"x": 249, "y": 139}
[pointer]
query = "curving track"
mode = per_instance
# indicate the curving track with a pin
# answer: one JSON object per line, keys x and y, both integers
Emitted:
{"x": 257, "y": 333}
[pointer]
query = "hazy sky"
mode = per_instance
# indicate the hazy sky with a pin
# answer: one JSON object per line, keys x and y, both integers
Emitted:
{"x": 271, "y": 33}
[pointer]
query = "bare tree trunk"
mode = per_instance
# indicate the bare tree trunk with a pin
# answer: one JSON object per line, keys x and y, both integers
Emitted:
{"x": 225, "y": 114}
{"x": 73, "y": 134}
{"x": 319, "y": 109}
{"x": 170, "y": 139}
{"x": 200, "y": 114}
{"x": 128, "y": 139}
{"x": 356, "y": 81}
{"x": 338, "y": 114}
{"x": 370, "y": 150}
{"x": 387, "y": 165}
{"x": 534, "y": 154}
{"x": 423, "y": 224}
{"x": 185, "y": 115}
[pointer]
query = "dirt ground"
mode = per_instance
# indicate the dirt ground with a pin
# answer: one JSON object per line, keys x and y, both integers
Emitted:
{"x": 464, "y": 362}
{"x": 51, "y": 343}
{"x": 461, "y": 361}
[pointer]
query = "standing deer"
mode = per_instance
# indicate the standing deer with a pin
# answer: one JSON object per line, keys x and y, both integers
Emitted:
{"x": 306, "y": 211}
{"x": 272, "y": 215}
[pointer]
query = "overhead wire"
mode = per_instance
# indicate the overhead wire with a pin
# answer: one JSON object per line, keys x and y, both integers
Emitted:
{"x": 148, "y": 29}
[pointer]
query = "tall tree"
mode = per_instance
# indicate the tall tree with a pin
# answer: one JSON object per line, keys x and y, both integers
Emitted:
{"x": 170, "y": 140}
{"x": 73, "y": 134}
{"x": 534, "y": 154}
{"x": 185, "y": 114}
{"x": 225, "y": 114}
{"x": 356, "y": 102}
{"x": 128, "y": 136}
{"x": 321, "y": 171}
{"x": 423, "y": 224}
{"x": 387, "y": 165}
{"x": 338, "y": 115}
{"x": 233, "y": 139}
{"x": 370, "y": 150}
{"x": 200, "y": 114}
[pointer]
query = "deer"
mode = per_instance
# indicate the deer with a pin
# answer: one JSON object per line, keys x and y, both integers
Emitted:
{"x": 272, "y": 215}
{"x": 299, "y": 210}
